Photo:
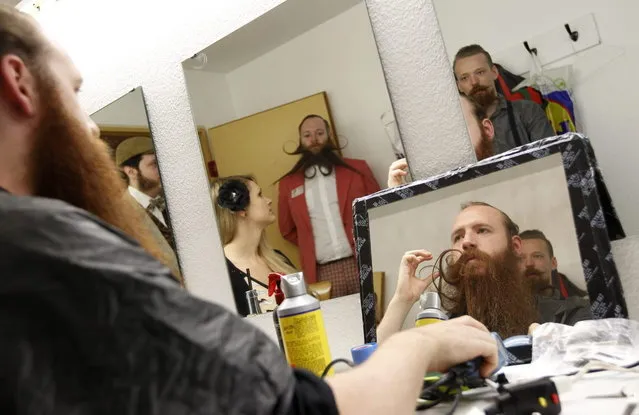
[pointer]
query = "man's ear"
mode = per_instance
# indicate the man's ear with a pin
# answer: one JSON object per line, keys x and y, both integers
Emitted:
{"x": 489, "y": 129}
{"x": 554, "y": 263}
{"x": 130, "y": 172}
{"x": 516, "y": 241}
{"x": 18, "y": 85}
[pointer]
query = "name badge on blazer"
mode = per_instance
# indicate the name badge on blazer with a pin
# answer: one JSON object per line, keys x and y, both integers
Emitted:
{"x": 299, "y": 190}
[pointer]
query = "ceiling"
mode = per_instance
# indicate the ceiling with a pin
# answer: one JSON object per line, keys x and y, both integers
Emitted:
{"x": 273, "y": 29}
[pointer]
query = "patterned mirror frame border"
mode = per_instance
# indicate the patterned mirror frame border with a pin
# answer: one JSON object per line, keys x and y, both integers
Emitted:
{"x": 596, "y": 221}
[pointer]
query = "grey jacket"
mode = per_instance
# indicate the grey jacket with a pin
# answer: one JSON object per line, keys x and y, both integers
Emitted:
{"x": 529, "y": 118}
{"x": 91, "y": 324}
{"x": 554, "y": 309}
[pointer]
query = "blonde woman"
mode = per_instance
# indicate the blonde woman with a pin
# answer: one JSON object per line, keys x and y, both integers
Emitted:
{"x": 243, "y": 213}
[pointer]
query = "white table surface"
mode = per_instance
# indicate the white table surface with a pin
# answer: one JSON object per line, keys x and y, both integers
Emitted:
{"x": 579, "y": 399}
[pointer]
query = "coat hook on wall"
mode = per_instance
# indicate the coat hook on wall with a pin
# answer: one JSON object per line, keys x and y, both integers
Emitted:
{"x": 574, "y": 35}
{"x": 532, "y": 51}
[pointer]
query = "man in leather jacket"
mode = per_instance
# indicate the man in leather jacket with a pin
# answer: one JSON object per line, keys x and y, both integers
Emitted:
{"x": 92, "y": 323}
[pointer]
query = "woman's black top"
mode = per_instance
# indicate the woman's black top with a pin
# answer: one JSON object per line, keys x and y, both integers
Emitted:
{"x": 239, "y": 284}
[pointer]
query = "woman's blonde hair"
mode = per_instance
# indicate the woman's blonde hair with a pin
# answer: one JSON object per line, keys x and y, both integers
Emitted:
{"x": 227, "y": 225}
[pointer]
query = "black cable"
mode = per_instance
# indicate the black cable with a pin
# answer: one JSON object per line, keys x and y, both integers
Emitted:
{"x": 455, "y": 404}
{"x": 333, "y": 363}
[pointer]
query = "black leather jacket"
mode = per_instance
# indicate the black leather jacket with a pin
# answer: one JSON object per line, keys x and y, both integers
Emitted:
{"x": 91, "y": 324}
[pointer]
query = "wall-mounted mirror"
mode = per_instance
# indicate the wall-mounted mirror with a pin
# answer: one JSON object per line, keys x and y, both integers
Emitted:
{"x": 125, "y": 128}
{"x": 297, "y": 101}
{"x": 521, "y": 238}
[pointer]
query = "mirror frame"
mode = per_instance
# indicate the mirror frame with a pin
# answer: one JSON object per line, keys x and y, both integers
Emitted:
{"x": 595, "y": 219}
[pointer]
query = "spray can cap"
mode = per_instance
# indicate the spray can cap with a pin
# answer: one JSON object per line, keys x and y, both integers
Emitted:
{"x": 293, "y": 285}
{"x": 430, "y": 300}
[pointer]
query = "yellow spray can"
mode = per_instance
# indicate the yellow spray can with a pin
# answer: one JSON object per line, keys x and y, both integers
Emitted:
{"x": 302, "y": 326}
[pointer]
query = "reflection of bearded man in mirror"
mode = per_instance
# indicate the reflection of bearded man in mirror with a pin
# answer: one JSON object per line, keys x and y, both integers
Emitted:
{"x": 485, "y": 276}
{"x": 136, "y": 158}
{"x": 315, "y": 206}
{"x": 484, "y": 273}
{"x": 541, "y": 267}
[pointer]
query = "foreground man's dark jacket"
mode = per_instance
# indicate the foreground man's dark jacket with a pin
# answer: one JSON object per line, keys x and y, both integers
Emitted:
{"x": 91, "y": 324}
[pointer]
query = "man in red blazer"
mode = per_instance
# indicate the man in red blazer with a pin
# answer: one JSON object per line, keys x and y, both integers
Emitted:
{"x": 316, "y": 207}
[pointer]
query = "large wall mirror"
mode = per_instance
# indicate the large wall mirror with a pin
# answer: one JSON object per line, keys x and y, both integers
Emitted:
{"x": 522, "y": 238}
{"x": 298, "y": 124}
{"x": 125, "y": 128}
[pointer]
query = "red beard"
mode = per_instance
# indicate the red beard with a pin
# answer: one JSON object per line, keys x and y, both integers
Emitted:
{"x": 72, "y": 165}
{"x": 489, "y": 289}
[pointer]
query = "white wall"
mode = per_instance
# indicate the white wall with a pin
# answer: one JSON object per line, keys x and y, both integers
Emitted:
{"x": 605, "y": 92}
{"x": 127, "y": 111}
{"x": 210, "y": 96}
{"x": 339, "y": 57}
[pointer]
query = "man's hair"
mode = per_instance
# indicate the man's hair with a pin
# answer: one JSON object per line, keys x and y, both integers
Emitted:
{"x": 471, "y": 50}
{"x": 20, "y": 35}
{"x": 511, "y": 227}
{"x": 133, "y": 162}
{"x": 537, "y": 234}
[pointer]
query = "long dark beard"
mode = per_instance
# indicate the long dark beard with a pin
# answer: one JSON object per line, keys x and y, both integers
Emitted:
{"x": 483, "y": 96}
{"x": 324, "y": 161}
{"x": 74, "y": 166}
{"x": 491, "y": 290}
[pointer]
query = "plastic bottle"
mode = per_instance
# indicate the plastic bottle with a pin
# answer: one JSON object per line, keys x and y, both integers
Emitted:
{"x": 430, "y": 304}
{"x": 302, "y": 326}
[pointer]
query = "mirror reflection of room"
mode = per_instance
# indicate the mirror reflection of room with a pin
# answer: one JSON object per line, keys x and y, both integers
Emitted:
{"x": 124, "y": 127}
{"x": 503, "y": 249}
{"x": 298, "y": 124}
{"x": 529, "y": 81}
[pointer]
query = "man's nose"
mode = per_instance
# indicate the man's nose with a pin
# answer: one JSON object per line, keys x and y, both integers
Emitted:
{"x": 468, "y": 243}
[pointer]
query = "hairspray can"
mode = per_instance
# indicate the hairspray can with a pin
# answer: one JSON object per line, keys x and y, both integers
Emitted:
{"x": 430, "y": 304}
{"x": 302, "y": 326}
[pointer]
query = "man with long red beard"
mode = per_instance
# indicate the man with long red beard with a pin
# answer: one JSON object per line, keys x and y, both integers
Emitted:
{"x": 91, "y": 322}
{"x": 482, "y": 275}
{"x": 516, "y": 122}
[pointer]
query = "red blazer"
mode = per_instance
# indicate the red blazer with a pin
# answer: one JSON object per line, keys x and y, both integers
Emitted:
{"x": 295, "y": 222}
